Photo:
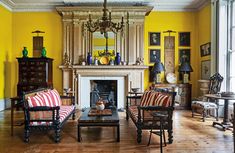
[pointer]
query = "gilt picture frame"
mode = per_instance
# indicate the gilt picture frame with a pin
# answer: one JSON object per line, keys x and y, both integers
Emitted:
{"x": 154, "y": 55}
{"x": 205, "y": 70}
{"x": 205, "y": 49}
{"x": 184, "y": 39}
{"x": 184, "y": 56}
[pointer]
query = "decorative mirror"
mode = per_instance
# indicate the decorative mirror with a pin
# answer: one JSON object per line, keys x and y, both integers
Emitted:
{"x": 103, "y": 46}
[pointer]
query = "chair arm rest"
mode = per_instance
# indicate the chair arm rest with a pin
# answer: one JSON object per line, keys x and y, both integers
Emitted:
{"x": 129, "y": 98}
{"x": 72, "y": 98}
{"x": 43, "y": 108}
{"x": 158, "y": 108}
{"x": 133, "y": 97}
{"x": 141, "y": 109}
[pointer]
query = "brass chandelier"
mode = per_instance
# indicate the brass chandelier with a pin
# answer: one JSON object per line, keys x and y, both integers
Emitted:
{"x": 104, "y": 24}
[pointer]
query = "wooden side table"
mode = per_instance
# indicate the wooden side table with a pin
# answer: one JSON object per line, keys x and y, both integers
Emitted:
{"x": 15, "y": 103}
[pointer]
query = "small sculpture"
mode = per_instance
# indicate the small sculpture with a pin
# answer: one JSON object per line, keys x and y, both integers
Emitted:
{"x": 140, "y": 61}
{"x": 66, "y": 59}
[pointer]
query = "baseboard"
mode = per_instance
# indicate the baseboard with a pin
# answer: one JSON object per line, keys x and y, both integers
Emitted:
{"x": 5, "y": 103}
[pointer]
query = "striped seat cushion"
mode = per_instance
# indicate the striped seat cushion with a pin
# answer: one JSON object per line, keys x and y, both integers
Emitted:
{"x": 42, "y": 115}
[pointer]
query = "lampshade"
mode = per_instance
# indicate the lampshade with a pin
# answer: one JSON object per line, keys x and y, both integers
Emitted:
{"x": 158, "y": 67}
{"x": 185, "y": 67}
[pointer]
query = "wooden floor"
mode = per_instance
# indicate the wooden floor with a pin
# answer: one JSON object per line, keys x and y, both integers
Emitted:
{"x": 191, "y": 135}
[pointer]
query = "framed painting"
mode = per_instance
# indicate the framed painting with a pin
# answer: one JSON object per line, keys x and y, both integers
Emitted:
{"x": 169, "y": 54}
{"x": 205, "y": 70}
{"x": 184, "y": 39}
{"x": 154, "y": 38}
{"x": 154, "y": 55}
{"x": 184, "y": 55}
{"x": 205, "y": 49}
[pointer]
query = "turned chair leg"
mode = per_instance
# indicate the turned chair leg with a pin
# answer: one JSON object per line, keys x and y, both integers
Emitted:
{"x": 217, "y": 113}
{"x": 192, "y": 112}
{"x": 26, "y": 135}
{"x": 203, "y": 115}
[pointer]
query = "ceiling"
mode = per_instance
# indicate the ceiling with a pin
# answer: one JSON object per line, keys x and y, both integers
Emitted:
{"x": 47, "y": 5}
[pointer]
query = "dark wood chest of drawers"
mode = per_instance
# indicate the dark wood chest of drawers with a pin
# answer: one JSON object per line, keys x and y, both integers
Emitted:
{"x": 34, "y": 73}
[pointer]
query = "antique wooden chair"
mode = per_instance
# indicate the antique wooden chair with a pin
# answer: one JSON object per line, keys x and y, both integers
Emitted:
{"x": 205, "y": 105}
{"x": 160, "y": 101}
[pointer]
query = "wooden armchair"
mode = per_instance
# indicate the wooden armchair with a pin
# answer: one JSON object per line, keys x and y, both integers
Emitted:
{"x": 151, "y": 101}
{"x": 209, "y": 104}
{"x": 44, "y": 110}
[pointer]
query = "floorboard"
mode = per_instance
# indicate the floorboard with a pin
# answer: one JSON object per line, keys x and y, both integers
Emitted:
{"x": 191, "y": 135}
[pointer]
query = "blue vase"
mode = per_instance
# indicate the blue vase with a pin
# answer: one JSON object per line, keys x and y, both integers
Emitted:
{"x": 118, "y": 59}
{"x": 89, "y": 58}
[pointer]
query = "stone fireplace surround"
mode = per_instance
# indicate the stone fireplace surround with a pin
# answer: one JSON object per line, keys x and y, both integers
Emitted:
{"x": 78, "y": 78}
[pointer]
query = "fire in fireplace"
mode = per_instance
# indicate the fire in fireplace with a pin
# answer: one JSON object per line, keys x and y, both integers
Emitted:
{"x": 105, "y": 90}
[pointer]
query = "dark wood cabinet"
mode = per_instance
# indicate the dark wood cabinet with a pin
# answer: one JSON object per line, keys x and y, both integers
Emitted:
{"x": 183, "y": 93}
{"x": 34, "y": 73}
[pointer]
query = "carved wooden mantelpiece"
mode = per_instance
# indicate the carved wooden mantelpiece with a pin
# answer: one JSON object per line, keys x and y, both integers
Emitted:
{"x": 77, "y": 40}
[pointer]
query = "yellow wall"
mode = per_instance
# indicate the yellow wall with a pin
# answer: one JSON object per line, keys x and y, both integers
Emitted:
{"x": 179, "y": 22}
{"x": 204, "y": 32}
{"x": 17, "y": 27}
{"x": 23, "y": 25}
{"x": 5, "y": 51}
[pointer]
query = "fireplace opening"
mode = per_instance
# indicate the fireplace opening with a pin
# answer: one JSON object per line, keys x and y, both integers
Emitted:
{"x": 105, "y": 90}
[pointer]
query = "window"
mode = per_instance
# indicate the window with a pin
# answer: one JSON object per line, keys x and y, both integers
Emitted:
{"x": 231, "y": 47}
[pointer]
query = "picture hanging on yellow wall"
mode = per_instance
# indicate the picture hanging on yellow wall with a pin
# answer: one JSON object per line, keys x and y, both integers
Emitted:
{"x": 184, "y": 39}
{"x": 154, "y": 38}
{"x": 205, "y": 70}
{"x": 184, "y": 55}
{"x": 205, "y": 49}
{"x": 154, "y": 55}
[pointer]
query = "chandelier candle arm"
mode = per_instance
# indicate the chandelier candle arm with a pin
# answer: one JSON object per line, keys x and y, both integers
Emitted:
{"x": 105, "y": 24}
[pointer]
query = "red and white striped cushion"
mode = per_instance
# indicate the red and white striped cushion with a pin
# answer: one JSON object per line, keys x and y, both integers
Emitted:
{"x": 36, "y": 100}
{"x": 56, "y": 97}
{"x": 152, "y": 98}
{"x": 64, "y": 112}
{"x": 148, "y": 98}
{"x": 47, "y": 98}
{"x": 145, "y": 98}
{"x": 51, "y": 98}
{"x": 162, "y": 100}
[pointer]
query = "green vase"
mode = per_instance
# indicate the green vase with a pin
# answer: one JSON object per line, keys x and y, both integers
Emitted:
{"x": 25, "y": 52}
{"x": 44, "y": 52}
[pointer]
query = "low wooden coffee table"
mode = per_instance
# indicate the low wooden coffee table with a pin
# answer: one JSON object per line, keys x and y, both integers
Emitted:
{"x": 86, "y": 121}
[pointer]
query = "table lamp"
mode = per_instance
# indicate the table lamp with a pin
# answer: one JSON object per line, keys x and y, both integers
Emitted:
{"x": 156, "y": 70}
{"x": 185, "y": 68}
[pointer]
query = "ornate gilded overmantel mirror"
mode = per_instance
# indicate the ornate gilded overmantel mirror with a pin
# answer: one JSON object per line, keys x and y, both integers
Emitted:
{"x": 78, "y": 40}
